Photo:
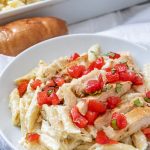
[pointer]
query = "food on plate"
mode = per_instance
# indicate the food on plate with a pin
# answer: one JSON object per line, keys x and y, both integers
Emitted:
{"x": 19, "y": 35}
{"x": 12, "y": 4}
{"x": 90, "y": 101}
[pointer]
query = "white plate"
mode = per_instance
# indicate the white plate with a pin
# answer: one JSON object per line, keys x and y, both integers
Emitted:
{"x": 50, "y": 50}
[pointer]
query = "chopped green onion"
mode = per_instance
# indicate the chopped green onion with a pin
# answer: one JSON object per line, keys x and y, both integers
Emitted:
{"x": 138, "y": 103}
{"x": 95, "y": 93}
{"x": 118, "y": 87}
{"x": 123, "y": 61}
{"x": 110, "y": 54}
{"x": 113, "y": 70}
{"x": 49, "y": 92}
{"x": 107, "y": 87}
{"x": 114, "y": 124}
{"x": 147, "y": 99}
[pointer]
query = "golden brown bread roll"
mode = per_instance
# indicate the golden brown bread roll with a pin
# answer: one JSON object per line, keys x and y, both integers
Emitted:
{"x": 19, "y": 35}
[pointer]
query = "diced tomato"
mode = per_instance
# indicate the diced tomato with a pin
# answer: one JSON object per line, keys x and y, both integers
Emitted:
{"x": 148, "y": 94}
{"x": 86, "y": 72}
{"x": 112, "y": 77}
{"x": 127, "y": 76}
{"x": 79, "y": 120}
{"x": 54, "y": 99}
{"x": 35, "y": 84}
{"x": 51, "y": 83}
{"x": 138, "y": 80}
{"x": 48, "y": 88}
{"x": 113, "y": 55}
{"x": 121, "y": 121}
{"x": 121, "y": 67}
{"x": 107, "y": 69}
{"x": 93, "y": 86}
{"x": 74, "y": 57}
{"x": 146, "y": 131}
{"x": 91, "y": 116}
{"x": 96, "y": 106}
{"x": 76, "y": 71}
{"x": 99, "y": 63}
{"x": 101, "y": 138}
{"x": 113, "y": 102}
{"x": 59, "y": 81}
{"x": 43, "y": 98}
{"x": 112, "y": 142}
{"x": 75, "y": 113}
{"x": 100, "y": 79}
{"x": 32, "y": 137}
{"x": 22, "y": 87}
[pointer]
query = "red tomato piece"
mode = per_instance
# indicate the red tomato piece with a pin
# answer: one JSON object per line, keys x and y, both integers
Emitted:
{"x": 93, "y": 86}
{"x": 112, "y": 142}
{"x": 121, "y": 121}
{"x": 138, "y": 80}
{"x": 99, "y": 63}
{"x": 54, "y": 99}
{"x": 32, "y": 137}
{"x": 121, "y": 67}
{"x": 79, "y": 120}
{"x": 101, "y": 138}
{"x": 113, "y": 102}
{"x": 146, "y": 131}
{"x": 148, "y": 94}
{"x": 48, "y": 88}
{"x": 74, "y": 57}
{"x": 43, "y": 98}
{"x": 59, "y": 81}
{"x": 86, "y": 72}
{"x": 107, "y": 69}
{"x": 127, "y": 76}
{"x": 35, "y": 84}
{"x": 22, "y": 87}
{"x": 91, "y": 116}
{"x": 76, "y": 71}
{"x": 96, "y": 106}
{"x": 100, "y": 79}
{"x": 112, "y": 77}
{"x": 51, "y": 83}
{"x": 113, "y": 55}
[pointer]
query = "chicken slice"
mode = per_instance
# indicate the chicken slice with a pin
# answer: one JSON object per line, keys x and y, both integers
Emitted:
{"x": 137, "y": 118}
{"x": 125, "y": 87}
{"x": 103, "y": 120}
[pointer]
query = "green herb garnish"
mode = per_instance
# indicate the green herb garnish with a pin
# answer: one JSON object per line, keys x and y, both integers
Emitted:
{"x": 138, "y": 103}
{"x": 147, "y": 99}
{"x": 118, "y": 87}
{"x": 106, "y": 87}
{"x": 114, "y": 124}
{"x": 49, "y": 92}
{"x": 113, "y": 70}
{"x": 97, "y": 92}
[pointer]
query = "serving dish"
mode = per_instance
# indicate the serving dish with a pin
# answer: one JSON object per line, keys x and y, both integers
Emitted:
{"x": 46, "y": 50}
{"x": 65, "y": 9}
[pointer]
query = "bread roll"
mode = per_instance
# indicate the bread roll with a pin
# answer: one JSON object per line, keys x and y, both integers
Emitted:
{"x": 19, "y": 35}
